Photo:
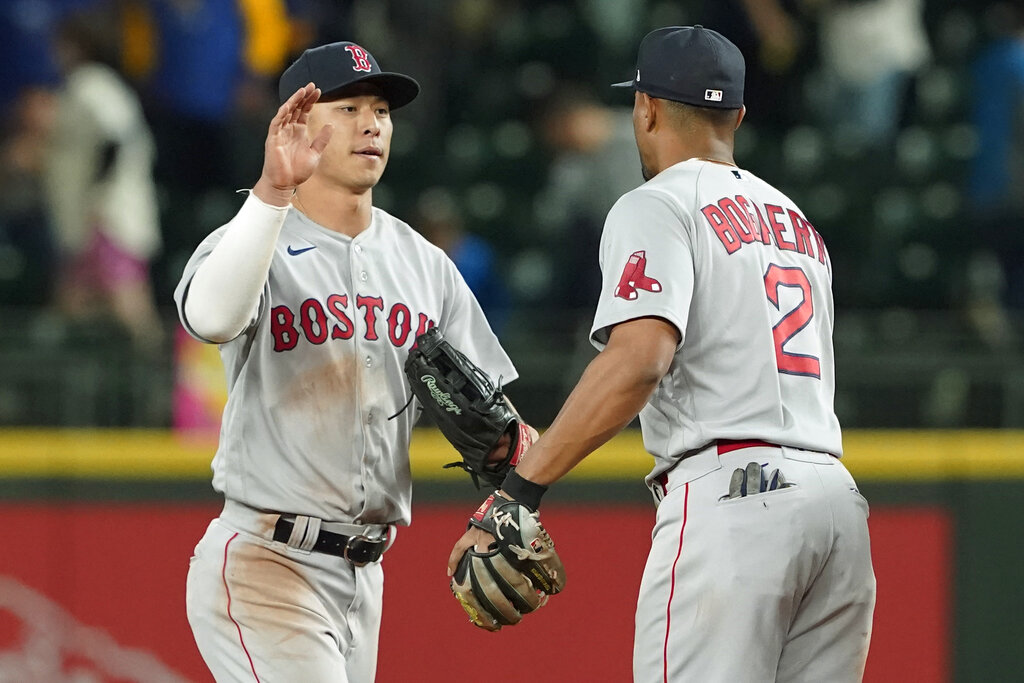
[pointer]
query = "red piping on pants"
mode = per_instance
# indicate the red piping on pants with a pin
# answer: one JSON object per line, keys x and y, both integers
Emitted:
{"x": 672, "y": 590}
{"x": 224, "y": 578}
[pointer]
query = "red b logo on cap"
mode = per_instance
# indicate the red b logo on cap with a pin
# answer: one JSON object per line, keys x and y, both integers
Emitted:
{"x": 361, "y": 57}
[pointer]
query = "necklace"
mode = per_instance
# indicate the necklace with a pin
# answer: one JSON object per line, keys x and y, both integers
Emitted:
{"x": 717, "y": 161}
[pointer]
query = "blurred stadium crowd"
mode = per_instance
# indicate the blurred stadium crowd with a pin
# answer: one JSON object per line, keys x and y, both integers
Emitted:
{"x": 127, "y": 127}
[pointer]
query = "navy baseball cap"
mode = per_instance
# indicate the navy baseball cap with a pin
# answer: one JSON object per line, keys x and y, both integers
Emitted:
{"x": 338, "y": 65}
{"x": 690, "y": 64}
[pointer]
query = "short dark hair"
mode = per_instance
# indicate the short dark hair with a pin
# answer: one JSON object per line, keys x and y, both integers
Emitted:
{"x": 688, "y": 114}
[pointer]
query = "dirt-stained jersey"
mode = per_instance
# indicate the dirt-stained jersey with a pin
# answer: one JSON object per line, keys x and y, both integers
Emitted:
{"x": 315, "y": 382}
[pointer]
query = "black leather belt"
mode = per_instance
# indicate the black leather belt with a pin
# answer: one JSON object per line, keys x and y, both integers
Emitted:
{"x": 359, "y": 550}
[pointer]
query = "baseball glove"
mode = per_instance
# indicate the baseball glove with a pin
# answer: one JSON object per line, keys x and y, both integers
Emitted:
{"x": 469, "y": 410}
{"x": 516, "y": 574}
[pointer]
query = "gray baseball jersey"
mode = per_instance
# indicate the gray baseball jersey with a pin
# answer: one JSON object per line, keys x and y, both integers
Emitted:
{"x": 755, "y": 359}
{"x": 314, "y": 423}
{"x": 770, "y": 586}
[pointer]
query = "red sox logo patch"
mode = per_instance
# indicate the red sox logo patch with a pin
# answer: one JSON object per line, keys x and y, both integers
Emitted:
{"x": 361, "y": 58}
{"x": 634, "y": 278}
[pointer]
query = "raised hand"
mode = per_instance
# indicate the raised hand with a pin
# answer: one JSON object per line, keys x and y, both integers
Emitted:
{"x": 289, "y": 156}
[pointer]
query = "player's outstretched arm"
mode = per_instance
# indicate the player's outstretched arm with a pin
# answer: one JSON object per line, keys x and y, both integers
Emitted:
{"x": 224, "y": 293}
{"x": 611, "y": 392}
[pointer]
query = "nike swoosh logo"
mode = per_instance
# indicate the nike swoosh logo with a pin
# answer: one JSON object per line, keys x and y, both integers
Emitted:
{"x": 292, "y": 251}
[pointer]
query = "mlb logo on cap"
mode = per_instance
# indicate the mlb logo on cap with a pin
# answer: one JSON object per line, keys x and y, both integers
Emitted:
{"x": 713, "y": 95}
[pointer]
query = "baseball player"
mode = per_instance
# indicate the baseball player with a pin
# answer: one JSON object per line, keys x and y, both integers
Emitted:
{"x": 315, "y": 298}
{"x": 715, "y": 325}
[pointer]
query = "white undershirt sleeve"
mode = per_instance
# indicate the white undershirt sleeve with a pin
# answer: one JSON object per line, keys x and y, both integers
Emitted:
{"x": 225, "y": 290}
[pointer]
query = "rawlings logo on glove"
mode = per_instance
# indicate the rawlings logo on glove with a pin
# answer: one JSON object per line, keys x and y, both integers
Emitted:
{"x": 465, "y": 405}
{"x": 444, "y": 400}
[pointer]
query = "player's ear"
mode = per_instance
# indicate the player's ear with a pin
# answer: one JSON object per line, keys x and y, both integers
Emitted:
{"x": 739, "y": 117}
{"x": 645, "y": 110}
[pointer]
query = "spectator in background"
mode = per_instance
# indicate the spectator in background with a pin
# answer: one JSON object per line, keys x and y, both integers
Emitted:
{"x": 214, "y": 60}
{"x": 27, "y": 252}
{"x": 594, "y": 163}
{"x": 995, "y": 188}
{"x": 440, "y": 221}
{"x": 99, "y": 185}
{"x": 209, "y": 86}
{"x": 28, "y": 78}
{"x": 26, "y": 60}
{"x": 773, "y": 36}
{"x": 870, "y": 52}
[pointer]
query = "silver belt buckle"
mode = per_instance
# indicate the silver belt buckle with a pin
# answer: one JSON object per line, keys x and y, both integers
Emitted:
{"x": 348, "y": 545}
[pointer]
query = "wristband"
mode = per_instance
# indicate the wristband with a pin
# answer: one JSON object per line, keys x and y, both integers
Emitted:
{"x": 523, "y": 490}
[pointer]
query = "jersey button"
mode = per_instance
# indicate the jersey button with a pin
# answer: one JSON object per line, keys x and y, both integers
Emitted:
{"x": 369, "y": 361}
{"x": 363, "y": 276}
{"x": 369, "y": 418}
{"x": 359, "y": 249}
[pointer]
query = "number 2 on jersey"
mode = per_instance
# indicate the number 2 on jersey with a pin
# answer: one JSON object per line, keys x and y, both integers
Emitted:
{"x": 793, "y": 321}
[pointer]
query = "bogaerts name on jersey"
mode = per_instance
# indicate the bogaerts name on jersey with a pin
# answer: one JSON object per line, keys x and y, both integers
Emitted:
{"x": 738, "y": 221}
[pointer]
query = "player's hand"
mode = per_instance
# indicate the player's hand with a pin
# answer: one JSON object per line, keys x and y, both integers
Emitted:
{"x": 505, "y": 566}
{"x": 500, "y": 451}
{"x": 289, "y": 156}
{"x": 474, "y": 537}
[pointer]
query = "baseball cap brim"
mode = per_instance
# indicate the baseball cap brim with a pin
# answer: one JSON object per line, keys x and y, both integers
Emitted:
{"x": 624, "y": 84}
{"x": 399, "y": 89}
